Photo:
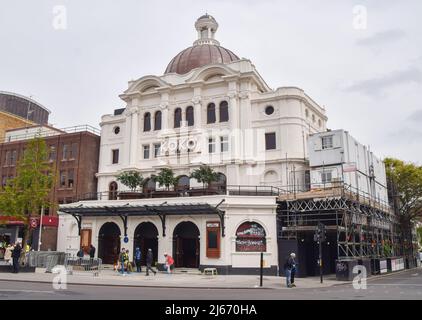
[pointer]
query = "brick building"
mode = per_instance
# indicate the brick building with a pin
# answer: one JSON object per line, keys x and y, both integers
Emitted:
{"x": 73, "y": 152}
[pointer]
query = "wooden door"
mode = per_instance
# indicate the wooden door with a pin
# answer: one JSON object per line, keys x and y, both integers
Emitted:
{"x": 86, "y": 235}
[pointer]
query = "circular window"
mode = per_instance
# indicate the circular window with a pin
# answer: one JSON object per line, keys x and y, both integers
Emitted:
{"x": 116, "y": 130}
{"x": 269, "y": 110}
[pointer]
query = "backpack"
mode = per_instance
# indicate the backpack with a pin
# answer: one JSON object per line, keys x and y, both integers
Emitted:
{"x": 138, "y": 255}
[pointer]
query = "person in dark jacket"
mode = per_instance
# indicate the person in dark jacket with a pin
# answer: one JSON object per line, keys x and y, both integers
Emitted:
{"x": 91, "y": 251}
{"x": 80, "y": 253}
{"x": 290, "y": 269}
{"x": 150, "y": 258}
{"x": 16, "y": 253}
{"x": 138, "y": 256}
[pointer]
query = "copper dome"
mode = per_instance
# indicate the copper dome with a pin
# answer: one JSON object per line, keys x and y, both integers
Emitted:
{"x": 198, "y": 56}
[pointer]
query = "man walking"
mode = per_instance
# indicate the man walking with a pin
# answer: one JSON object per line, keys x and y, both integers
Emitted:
{"x": 138, "y": 256}
{"x": 289, "y": 268}
{"x": 122, "y": 260}
{"x": 91, "y": 251}
{"x": 16, "y": 253}
{"x": 149, "y": 259}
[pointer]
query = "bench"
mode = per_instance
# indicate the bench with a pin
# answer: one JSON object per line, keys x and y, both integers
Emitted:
{"x": 210, "y": 271}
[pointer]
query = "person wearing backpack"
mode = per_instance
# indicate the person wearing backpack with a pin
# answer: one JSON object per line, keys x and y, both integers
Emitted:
{"x": 169, "y": 262}
{"x": 138, "y": 256}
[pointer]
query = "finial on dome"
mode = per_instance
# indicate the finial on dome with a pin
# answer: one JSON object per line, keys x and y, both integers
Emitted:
{"x": 206, "y": 26}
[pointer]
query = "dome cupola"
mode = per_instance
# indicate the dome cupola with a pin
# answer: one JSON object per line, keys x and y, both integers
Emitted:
{"x": 205, "y": 50}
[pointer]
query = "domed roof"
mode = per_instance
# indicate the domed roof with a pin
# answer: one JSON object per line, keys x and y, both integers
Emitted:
{"x": 198, "y": 56}
{"x": 205, "y": 50}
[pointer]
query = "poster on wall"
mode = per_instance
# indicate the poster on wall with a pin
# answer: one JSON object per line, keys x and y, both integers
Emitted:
{"x": 250, "y": 237}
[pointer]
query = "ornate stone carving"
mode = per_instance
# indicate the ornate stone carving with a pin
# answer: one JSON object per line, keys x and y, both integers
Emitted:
{"x": 164, "y": 105}
{"x": 244, "y": 95}
{"x": 233, "y": 95}
{"x": 196, "y": 100}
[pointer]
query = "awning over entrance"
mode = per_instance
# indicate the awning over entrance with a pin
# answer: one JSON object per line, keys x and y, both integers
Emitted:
{"x": 135, "y": 210}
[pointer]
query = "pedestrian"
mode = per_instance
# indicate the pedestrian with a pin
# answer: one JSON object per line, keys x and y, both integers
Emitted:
{"x": 16, "y": 253}
{"x": 290, "y": 265}
{"x": 122, "y": 260}
{"x": 91, "y": 251}
{"x": 150, "y": 258}
{"x": 128, "y": 263}
{"x": 8, "y": 253}
{"x": 138, "y": 256}
{"x": 169, "y": 262}
{"x": 80, "y": 253}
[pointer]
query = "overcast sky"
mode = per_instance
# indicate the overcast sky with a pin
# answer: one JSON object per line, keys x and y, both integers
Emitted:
{"x": 369, "y": 79}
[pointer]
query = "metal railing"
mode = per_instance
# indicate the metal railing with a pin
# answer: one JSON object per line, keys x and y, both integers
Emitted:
{"x": 91, "y": 265}
{"x": 50, "y": 132}
{"x": 239, "y": 190}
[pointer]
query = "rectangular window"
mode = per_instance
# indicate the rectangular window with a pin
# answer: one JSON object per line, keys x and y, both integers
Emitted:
{"x": 62, "y": 178}
{"x": 327, "y": 142}
{"x": 115, "y": 156}
{"x": 14, "y": 157}
{"x": 146, "y": 152}
{"x": 52, "y": 153}
{"x": 157, "y": 148}
{"x": 211, "y": 145}
{"x": 270, "y": 142}
{"x": 65, "y": 151}
{"x": 224, "y": 144}
{"x": 73, "y": 151}
{"x": 70, "y": 178}
{"x": 8, "y": 157}
{"x": 213, "y": 240}
{"x": 326, "y": 176}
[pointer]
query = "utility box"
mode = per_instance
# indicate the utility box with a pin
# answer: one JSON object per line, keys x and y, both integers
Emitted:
{"x": 344, "y": 269}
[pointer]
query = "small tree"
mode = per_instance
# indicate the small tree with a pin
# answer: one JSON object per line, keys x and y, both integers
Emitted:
{"x": 205, "y": 174}
{"x": 28, "y": 192}
{"x": 166, "y": 178}
{"x": 404, "y": 182}
{"x": 131, "y": 179}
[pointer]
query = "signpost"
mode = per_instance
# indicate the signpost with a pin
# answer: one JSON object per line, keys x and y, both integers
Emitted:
{"x": 319, "y": 237}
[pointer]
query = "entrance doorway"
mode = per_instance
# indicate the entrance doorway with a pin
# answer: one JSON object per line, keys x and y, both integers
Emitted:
{"x": 145, "y": 237}
{"x": 186, "y": 245}
{"x": 109, "y": 243}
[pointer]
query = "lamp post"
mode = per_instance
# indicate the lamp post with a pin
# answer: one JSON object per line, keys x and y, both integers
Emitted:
{"x": 39, "y": 232}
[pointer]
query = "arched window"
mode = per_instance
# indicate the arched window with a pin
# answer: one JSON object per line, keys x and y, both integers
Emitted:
{"x": 224, "y": 111}
{"x": 189, "y": 116}
{"x": 211, "y": 113}
{"x": 112, "y": 191}
{"x": 250, "y": 237}
{"x": 177, "y": 117}
{"x": 221, "y": 183}
{"x": 183, "y": 183}
{"x": 157, "y": 120}
{"x": 147, "y": 121}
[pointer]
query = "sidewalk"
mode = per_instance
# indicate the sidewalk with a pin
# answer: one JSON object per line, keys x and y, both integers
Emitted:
{"x": 111, "y": 278}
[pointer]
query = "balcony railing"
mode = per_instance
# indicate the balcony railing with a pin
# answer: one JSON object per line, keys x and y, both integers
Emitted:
{"x": 50, "y": 132}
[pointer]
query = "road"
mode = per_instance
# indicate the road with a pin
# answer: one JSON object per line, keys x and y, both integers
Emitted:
{"x": 405, "y": 285}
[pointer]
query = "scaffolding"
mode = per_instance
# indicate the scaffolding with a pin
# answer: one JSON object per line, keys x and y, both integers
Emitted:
{"x": 364, "y": 227}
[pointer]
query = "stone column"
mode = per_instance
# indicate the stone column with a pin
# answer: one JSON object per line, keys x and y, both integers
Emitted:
{"x": 235, "y": 125}
{"x": 197, "y": 107}
{"x": 134, "y": 136}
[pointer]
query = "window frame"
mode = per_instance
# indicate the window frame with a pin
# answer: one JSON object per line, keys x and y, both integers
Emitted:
{"x": 211, "y": 116}
{"x": 115, "y": 154}
{"x": 146, "y": 148}
{"x": 269, "y": 147}
{"x": 147, "y": 121}
{"x": 224, "y": 111}
{"x": 325, "y": 145}
{"x": 212, "y": 145}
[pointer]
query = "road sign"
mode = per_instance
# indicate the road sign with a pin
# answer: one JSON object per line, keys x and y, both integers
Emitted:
{"x": 33, "y": 223}
{"x": 126, "y": 239}
{"x": 349, "y": 167}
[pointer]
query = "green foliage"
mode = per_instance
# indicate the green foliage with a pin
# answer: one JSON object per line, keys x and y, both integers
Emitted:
{"x": 405, "y": 184}
{"x": 131, "y": 179}
{"x": 419, "y": 234}
{"x": 166, "y": 178}
{"x": 205, "y": 175}
{"x": 29, "y": 190}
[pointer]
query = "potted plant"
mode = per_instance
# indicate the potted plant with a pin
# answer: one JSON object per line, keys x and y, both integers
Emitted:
{"x": 132, "y": 180}
{"x": 205, "y": 175}
{"x": 165, "y": 178}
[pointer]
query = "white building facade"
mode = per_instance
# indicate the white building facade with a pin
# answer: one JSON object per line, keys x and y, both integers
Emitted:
{"x": 210, "y": 107}
{"x": 336, "y": 157}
